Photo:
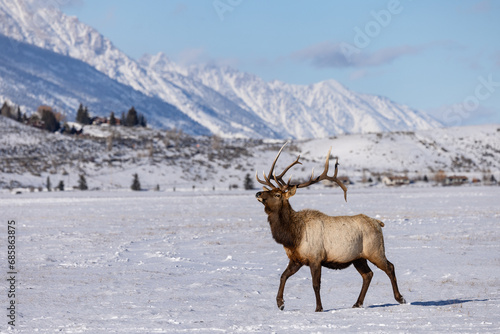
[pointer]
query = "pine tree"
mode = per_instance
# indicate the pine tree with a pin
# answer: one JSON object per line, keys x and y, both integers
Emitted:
{"x": 86, "y": 116}
{"x": 49, "y": 186}
{"x": 60, "y": 186}
{"x": 142, "y": 120}
{"x": 248, "y": 185}
{"x": 136, "y": 185}
{"x": 112, "y": 119}
{"x": 79, "y": 114}
{"x": 82, "y": 115}
{"x": 50, "y": 122}
{"x": 132, "y": 118}
{"x": 82, "y": 183}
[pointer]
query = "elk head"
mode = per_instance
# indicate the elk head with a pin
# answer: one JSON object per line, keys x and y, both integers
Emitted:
{"x": 273, "y": 196}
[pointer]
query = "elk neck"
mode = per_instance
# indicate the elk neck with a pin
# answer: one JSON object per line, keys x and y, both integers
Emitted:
{"x": 285, "y": 227}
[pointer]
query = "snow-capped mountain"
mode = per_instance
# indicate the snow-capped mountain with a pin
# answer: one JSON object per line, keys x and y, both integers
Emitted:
{"x": 35, "y": 76}
{"x": 51, "y": 29}
{"x": 323, "y": 109}
{"x": 217, "y": 100}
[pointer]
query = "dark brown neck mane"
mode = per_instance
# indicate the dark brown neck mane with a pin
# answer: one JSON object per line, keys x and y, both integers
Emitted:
{"x": 285, "y": 228}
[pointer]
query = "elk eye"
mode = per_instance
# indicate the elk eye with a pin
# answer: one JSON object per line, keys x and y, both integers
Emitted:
{"x": 277, "y": 195}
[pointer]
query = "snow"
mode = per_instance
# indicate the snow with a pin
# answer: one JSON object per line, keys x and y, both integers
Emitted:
{"x": 173, "y": 262}
{"x": 202, "y": 99}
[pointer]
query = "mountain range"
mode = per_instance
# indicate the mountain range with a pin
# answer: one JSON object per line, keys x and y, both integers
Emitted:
{"x": 50, "y": 58}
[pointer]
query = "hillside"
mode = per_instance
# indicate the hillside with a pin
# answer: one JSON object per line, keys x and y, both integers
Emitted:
{"x": 199, "y": 100}
{"x": 109, "y": 156}
{"x": 37, "y": 76}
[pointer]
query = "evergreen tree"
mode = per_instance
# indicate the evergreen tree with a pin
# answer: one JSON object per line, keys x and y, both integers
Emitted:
{"x": 142, "y": 121}
{"x": 49, "y": 186}
{"x": 248, "y": 185}
{"x": 82, "y": 183}
{"x": 112, "y": 119}
{"x": 79, "y": 114}
{"x": 60, "y": 186}
{"x": 132, "y": 118}
{"x": 82, "y": 115}
{"x": 50, "y": 122}
{"x": 86, "y": 116}
{"x": 136, "y": 185}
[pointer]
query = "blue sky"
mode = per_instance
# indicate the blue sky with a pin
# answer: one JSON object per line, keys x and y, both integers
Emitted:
{"x": 442, "y": 57}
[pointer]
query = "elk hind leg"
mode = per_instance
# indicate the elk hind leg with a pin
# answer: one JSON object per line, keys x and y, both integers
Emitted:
{"x": 292, "y": 268}
{"x": 364, "y": 270}
{"x": 388, "y": 268}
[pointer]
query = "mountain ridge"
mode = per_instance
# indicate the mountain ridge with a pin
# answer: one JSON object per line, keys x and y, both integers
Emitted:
{"x": 221, "y": 100}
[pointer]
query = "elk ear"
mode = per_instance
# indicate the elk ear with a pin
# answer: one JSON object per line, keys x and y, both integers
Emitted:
{"x": 291, "y": 192}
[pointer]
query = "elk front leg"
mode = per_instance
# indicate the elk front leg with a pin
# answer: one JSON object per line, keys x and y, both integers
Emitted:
{"x": 292, "y": 268}
{"x": 316, "y": 280}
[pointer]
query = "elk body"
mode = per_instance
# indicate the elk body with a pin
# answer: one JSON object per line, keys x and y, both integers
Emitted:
{"x": 316, "y": 240}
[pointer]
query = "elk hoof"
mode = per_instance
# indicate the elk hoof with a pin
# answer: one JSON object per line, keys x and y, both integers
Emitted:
{"x": 401, "y": 300}
{"x": 357, "y": 305}
{"x": 281, "y": 304}
{"x": 319, "y": 309}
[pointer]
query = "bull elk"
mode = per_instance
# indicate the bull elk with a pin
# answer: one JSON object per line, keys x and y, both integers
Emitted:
{"x": 316, "y": 240}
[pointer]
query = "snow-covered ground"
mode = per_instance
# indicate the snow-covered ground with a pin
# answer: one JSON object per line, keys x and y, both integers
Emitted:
{"x": 111, "y": 155}
{"x": 203, "y": 262}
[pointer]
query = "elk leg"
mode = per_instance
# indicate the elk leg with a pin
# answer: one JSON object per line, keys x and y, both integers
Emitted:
{"x": 292, "y": 268}
{"x": 362, "y": 267}
{"x": 316, "y": 280}
{"x": 388, "y": 268}
{"x": 392, "y": 275}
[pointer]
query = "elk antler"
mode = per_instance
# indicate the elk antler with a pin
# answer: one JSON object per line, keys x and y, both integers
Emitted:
{"x": 267, "y": 179}
{"x": 284, "y": 186}
{"x": 324, "y": 176}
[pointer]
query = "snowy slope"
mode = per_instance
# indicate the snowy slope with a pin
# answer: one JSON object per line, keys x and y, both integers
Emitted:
{"x": 197, "y": 262}
{"x": 170, "y": 159}
{"x": 37, "y": 76}
{"x": 227, "y": 102}
{"x": 319, "y": 110}
{"x": 51, "y": 29}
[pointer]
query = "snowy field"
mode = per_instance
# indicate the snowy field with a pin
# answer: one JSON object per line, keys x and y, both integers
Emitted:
{"x": 203, "y": 262}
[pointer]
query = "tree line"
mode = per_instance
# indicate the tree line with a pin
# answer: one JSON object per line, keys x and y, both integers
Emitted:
{"x": 47, "y": 118}
{"x": 131, "y": 118}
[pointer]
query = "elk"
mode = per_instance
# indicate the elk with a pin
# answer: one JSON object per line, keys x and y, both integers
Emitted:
{"x": 316, "y": 240}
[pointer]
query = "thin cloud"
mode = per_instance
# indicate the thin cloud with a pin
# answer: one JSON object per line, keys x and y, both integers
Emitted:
{"x": 200, "y": 56}
{"x": 364, "y": 73}
{"x": 343, "y": 55}
{"x": 482, "y": 6}
{"x": 458, "y": 115}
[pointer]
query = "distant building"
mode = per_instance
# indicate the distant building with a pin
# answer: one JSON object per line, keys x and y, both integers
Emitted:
{"x": 98, "y": 120}
{"x": 395, "y": 180}
{"x": 455, "y": 180}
